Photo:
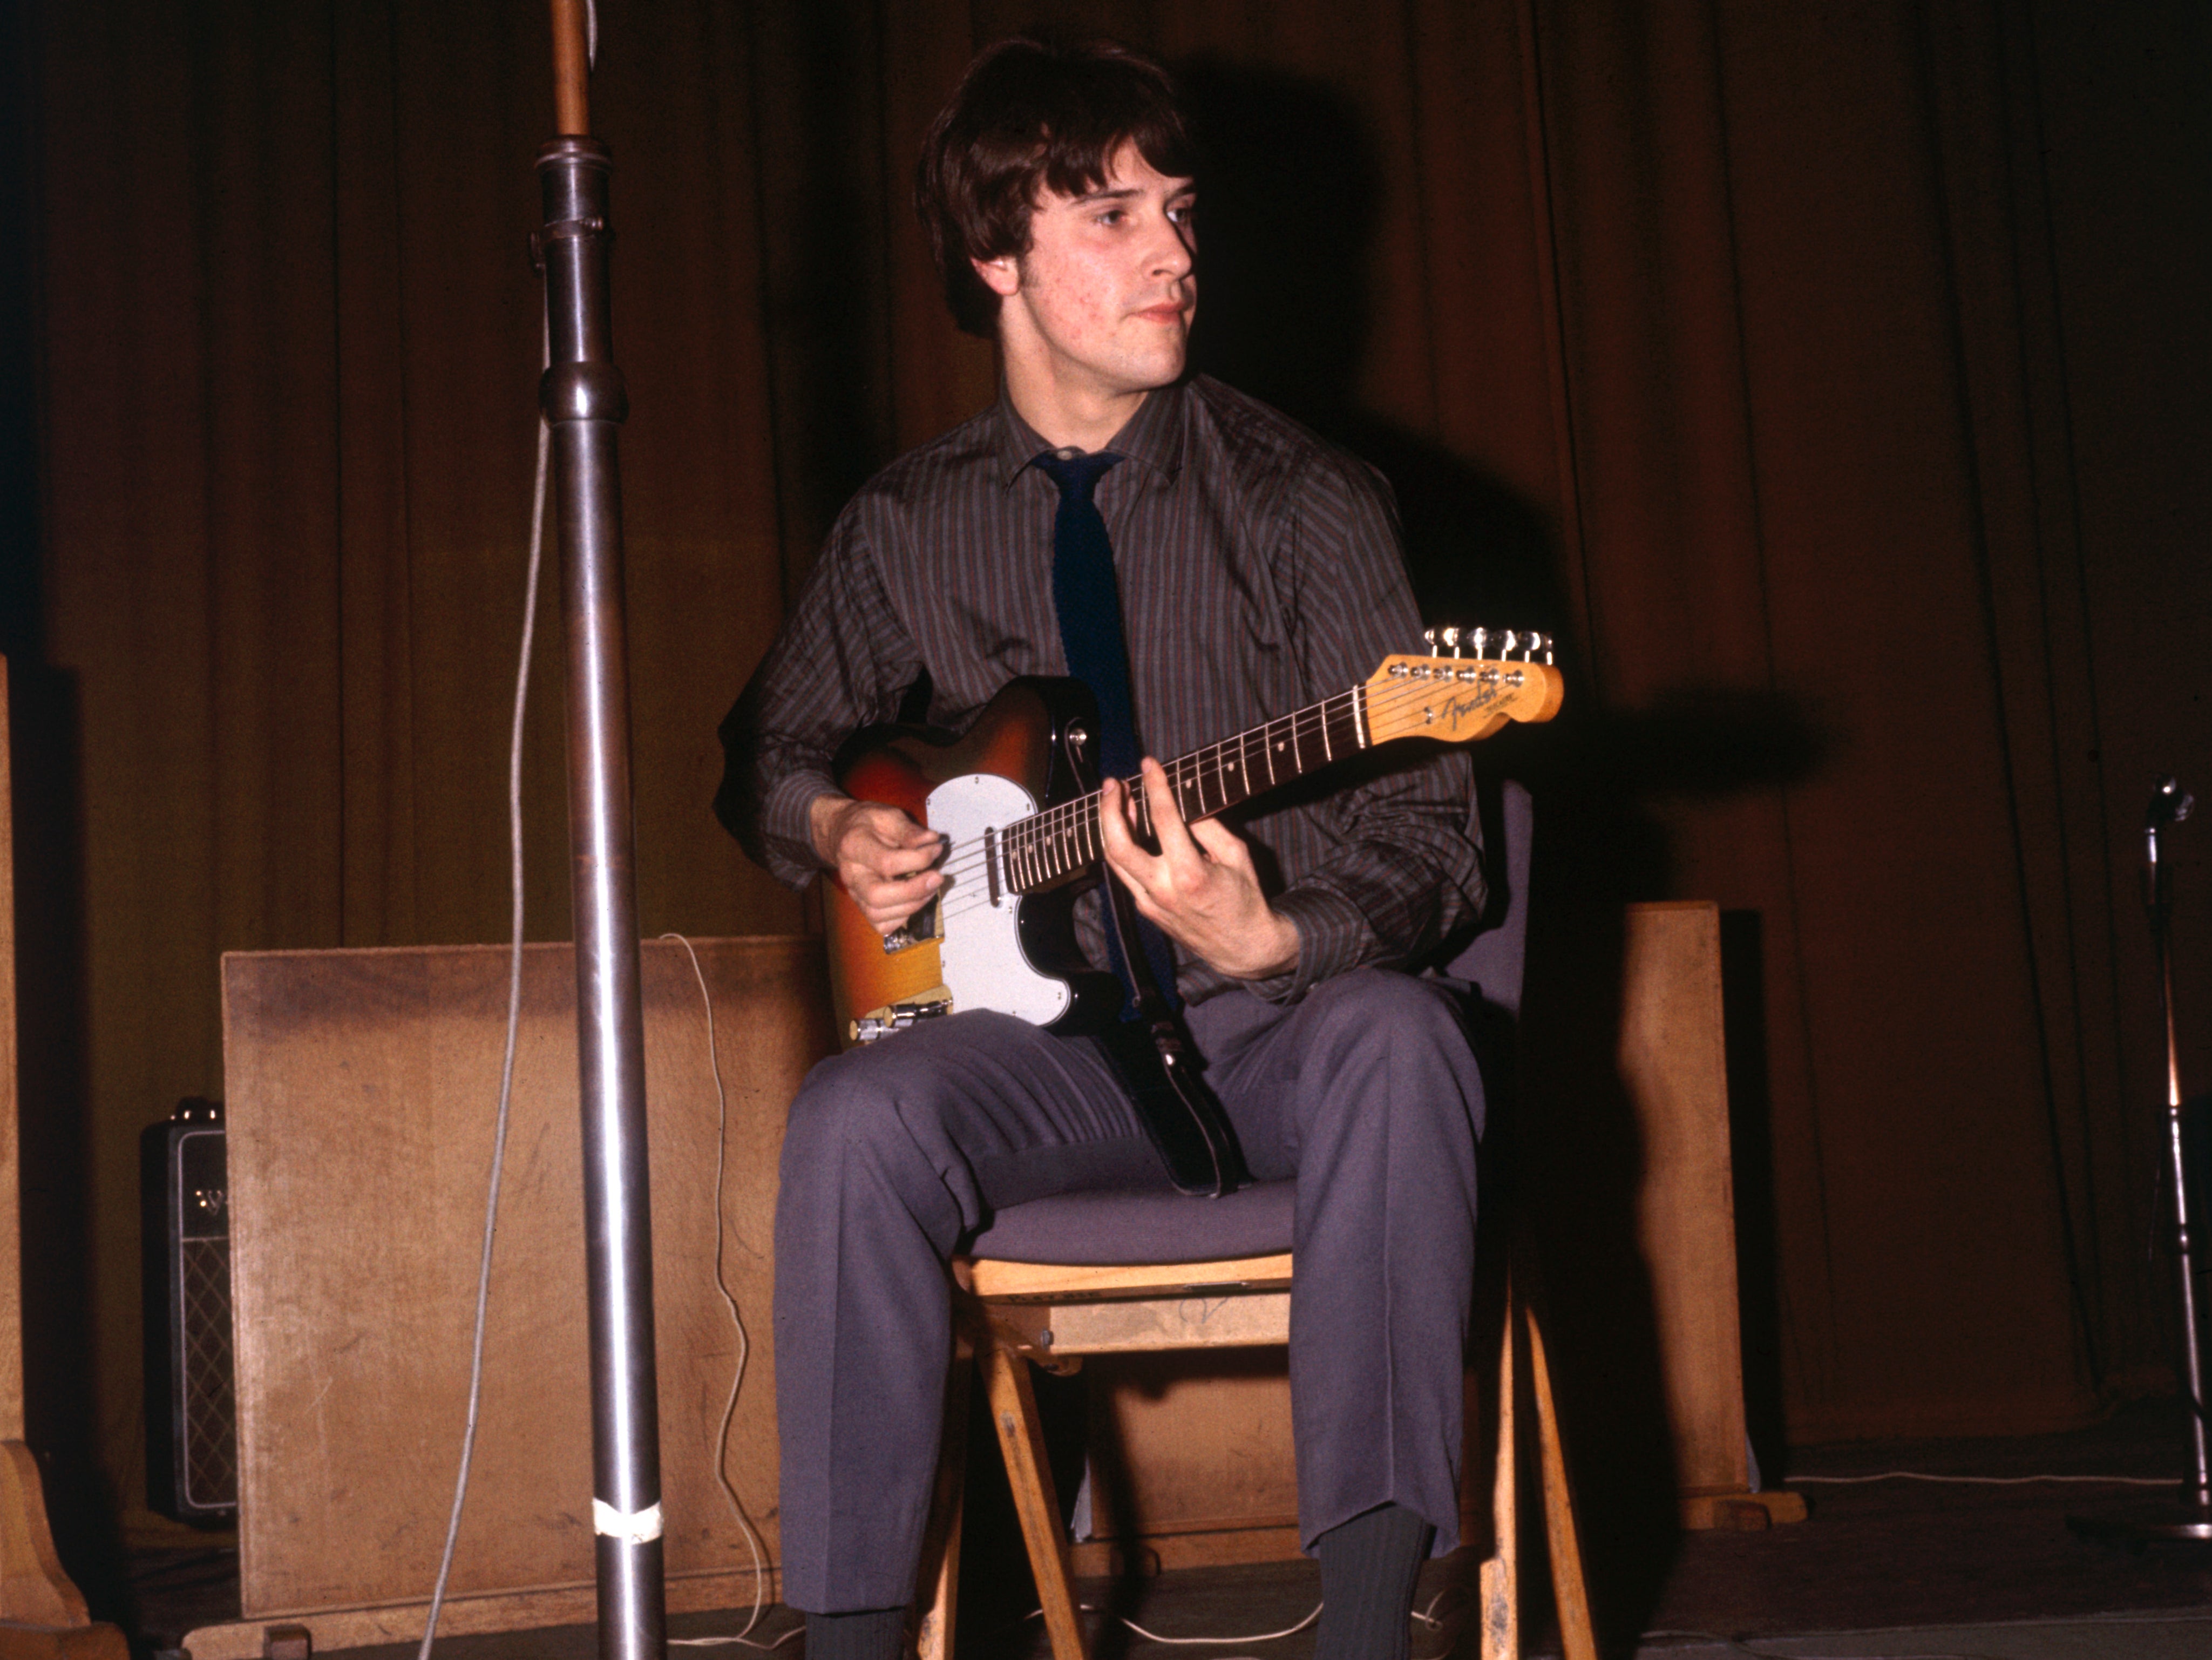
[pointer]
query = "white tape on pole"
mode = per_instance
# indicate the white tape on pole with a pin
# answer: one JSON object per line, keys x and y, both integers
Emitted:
{"x": 638, "y": 1528}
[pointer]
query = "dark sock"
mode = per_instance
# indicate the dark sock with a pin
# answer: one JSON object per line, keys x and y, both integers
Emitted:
{"x": 1368, "y": 1567}
{"x": 873, "y": 1634}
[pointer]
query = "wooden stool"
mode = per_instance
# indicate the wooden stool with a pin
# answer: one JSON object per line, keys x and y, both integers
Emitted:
{"x": 1013, "y": 1313}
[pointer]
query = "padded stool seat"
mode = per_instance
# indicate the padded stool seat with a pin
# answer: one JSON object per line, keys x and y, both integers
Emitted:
{"x": 1160, "y": 1225}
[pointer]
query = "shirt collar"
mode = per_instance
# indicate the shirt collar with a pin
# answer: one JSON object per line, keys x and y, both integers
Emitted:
{"x": 1153, "y": 435}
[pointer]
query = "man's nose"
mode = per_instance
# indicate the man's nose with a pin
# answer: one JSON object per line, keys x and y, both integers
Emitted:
{"x": 1171, "y": 250}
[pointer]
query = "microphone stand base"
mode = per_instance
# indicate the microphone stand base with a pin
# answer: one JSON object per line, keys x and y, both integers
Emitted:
{"x": 2182, "y": 1516}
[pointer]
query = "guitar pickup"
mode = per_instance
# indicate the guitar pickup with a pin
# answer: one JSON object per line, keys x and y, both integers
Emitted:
{"x": 897, "y": 1017}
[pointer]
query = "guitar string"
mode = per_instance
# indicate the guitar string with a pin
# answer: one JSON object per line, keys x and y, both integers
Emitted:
{"x": 1033, "y": 835}
{"x": 1184, "y": 772}
{"x": 1188, "y": 772}
{"x": 1077, "y": 820}
{"x": 1033, "y": 831}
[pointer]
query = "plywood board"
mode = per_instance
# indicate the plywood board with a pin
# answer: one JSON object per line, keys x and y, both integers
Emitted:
{"x": 361, "y": 1086}
{"x": 362, "y": 1089}
{"x": 1191, "y": 1452}
{"x": 1196, "y": 1442}
{"x": 1673, "y": 1067}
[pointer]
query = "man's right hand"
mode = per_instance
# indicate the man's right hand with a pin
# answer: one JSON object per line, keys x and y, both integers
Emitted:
{"x": 881, "y": 859}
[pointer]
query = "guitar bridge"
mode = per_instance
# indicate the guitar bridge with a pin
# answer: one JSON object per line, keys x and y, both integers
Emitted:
{"x": 897, "y": 1017}
{"x": 916, "y": 929}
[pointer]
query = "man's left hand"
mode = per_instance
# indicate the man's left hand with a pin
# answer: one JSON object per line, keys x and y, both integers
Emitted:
{"x": 1200, "y": 889}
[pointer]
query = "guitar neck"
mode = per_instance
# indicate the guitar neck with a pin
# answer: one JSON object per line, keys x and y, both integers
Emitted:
{"x": 1047, "y": 845}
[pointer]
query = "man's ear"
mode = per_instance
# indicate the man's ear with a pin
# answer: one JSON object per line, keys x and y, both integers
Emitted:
{"x": 1002, "y": 276}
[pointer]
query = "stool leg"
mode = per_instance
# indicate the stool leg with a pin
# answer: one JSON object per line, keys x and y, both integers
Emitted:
{"x": 1021, "y": 1437}
{"x": 1576, "y": 1636}
{"x": 1500, "y": 1576}
{"x": 940, "y": 1588}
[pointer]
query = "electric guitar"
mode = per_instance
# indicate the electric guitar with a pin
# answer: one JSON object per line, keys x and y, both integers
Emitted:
{"x": 1017, "y": 799}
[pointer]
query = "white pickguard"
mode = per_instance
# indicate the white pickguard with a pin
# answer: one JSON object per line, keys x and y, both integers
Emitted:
{"x": 979, "y": 945}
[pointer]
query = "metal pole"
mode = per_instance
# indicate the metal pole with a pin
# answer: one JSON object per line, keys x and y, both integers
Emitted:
{"x": 2168, "y": 804}
{"x": 2189, "y": 1515}
{"x": 584, "y": 404}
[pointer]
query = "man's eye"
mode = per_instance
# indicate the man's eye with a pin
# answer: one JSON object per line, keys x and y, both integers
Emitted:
{"x": 1111, "y": 216}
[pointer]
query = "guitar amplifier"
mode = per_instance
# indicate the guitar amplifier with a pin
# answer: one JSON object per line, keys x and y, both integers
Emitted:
{"x": 191, "y": 1402}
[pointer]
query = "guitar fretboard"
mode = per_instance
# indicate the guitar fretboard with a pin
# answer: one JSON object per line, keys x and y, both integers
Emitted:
{"x": 1046, "y": 845}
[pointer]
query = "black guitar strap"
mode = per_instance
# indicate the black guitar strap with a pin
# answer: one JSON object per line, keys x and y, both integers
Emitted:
{"x": 1186, "y": 1123}
{"x": 1147, "y": 1046}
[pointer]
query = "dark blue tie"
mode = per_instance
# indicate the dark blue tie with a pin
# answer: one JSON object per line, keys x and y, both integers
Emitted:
{"x": 1089, "y": 606}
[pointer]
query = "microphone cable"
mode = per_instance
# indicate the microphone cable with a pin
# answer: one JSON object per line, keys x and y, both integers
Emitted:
{"x": 514, "y": 1025}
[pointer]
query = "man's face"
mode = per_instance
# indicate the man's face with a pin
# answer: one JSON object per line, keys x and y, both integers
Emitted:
{"x": 1102, "y": 301}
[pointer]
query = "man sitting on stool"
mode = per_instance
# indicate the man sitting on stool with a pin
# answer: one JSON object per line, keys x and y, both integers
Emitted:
{"x": 1257, "y": 570}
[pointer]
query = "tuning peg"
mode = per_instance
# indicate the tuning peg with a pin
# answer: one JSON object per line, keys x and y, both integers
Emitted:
{"x": 1481, "y": 638}
{"x": 1430, "y": 635}
{"x": 1512, "y": 643}
{"x": 1451, "y": 640}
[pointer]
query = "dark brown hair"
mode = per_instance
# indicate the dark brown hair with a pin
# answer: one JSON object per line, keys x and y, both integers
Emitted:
{"x": 1030, "y": 117}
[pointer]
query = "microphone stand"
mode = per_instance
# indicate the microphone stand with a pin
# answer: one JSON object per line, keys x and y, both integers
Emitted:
{"x": 584, "y": 406}
{"x": 2189, "y": 1514}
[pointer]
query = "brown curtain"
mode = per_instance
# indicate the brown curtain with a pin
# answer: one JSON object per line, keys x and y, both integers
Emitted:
{"x": 1831, "y": 377}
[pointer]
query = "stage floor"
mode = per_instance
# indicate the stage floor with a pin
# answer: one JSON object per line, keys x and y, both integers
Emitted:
{"x": 1880, "y": 1569}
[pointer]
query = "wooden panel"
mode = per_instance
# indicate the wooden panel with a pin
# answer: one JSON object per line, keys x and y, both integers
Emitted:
{"x": 1673, "y": 1067}
{"x": 362, "y": 1090}
{"x": 386, "y": 1623}
{"x": 1100, "y": 1559}
{"x": 1743, "y": 1512}
{"x": 1192, "y": 1442}
{"x": 1191, "y": 1458}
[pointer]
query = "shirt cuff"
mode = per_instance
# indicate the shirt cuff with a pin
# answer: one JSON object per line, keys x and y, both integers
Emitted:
{"x": 1331, "y": 932}
{"x": 788, "y": 829}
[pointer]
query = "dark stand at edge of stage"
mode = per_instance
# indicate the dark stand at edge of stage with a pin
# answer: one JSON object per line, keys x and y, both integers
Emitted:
{"x": 584, "y": 405}
{"x": 2188, "y": 1514}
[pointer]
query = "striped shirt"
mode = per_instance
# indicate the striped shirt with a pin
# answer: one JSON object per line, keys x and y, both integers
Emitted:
{"x": 1259, "y": 572}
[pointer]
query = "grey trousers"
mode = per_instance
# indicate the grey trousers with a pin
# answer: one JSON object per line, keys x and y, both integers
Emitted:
{"x": 1365, "y": 1091}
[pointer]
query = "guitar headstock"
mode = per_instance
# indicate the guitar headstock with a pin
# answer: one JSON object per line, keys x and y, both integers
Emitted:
{"x": 1508, "y": 677}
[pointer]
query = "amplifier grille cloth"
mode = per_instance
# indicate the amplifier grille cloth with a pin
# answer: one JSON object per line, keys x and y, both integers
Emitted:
{"x": 210, "y": 1469}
